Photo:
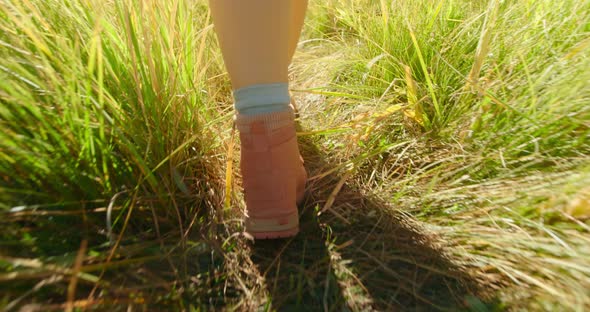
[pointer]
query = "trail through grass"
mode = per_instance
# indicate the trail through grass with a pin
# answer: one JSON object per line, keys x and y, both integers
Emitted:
{"x": 447, "y": 142}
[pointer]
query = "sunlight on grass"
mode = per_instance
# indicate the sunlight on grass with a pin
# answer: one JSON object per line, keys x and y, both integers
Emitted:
{"x": 501, "y": 157}
{"x": 469, "y": 119}
{"x": 102, "y": 99}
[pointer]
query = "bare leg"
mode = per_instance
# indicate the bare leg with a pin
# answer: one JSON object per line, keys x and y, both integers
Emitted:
{"x": 253, "y": 35}
{"x": 298, "y": 9}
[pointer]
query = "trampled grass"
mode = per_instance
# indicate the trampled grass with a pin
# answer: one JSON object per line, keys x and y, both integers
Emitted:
{"x": 448, "y": 144}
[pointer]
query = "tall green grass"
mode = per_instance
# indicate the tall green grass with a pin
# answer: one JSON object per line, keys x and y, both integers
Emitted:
{"x": 107, "y": 105}
{"x": 97, "y": 100}
{"x": 473, "y": 117}
{"x": 102, "y": 98}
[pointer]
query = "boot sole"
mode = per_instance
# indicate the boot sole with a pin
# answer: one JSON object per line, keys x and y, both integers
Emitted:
{"x": 277, "y": 227}
{"x": 274, "y": 235}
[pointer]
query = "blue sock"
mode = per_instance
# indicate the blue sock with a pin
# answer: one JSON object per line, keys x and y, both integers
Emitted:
{"x": 262, "y": 98}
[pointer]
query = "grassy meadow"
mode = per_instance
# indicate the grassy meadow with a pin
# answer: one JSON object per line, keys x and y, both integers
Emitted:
{"x": 447, "y": 141}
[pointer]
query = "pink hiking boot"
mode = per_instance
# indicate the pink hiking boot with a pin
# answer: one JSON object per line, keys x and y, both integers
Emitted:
{"x": 273, "y": 174}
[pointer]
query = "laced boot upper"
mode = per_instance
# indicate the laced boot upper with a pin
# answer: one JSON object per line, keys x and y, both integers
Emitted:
{"x": 272, "y": 171}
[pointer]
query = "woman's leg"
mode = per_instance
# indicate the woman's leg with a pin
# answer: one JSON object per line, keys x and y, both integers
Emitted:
{"x": 252, "y": 35}
{"x": 257, "y": 39}
{"x": 254, "y": 40}
{"x": 298, "y": 9}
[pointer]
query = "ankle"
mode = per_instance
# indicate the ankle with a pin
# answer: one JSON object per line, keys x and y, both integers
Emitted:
{"x": 262, "y": 98}
{"x": 267, "y": 121}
